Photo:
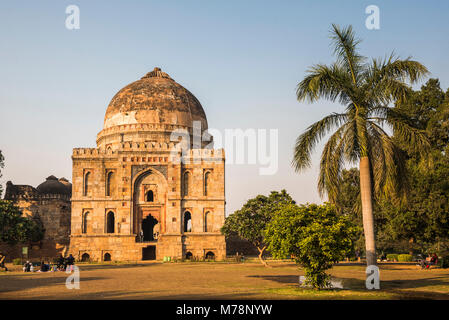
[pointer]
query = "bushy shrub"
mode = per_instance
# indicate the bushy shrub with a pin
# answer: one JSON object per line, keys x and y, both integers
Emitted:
{"x": 17, "y": 261}
{"x": 392, "y": 257}
{"x": 316, "y": 235}
{"x": 405, "y": 257}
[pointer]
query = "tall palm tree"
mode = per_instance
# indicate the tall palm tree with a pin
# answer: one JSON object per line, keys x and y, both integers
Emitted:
{"x": 367, "y": 90}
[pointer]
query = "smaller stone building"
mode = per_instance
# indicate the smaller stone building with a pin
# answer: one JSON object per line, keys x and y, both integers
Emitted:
{"x": 50, "y": 203}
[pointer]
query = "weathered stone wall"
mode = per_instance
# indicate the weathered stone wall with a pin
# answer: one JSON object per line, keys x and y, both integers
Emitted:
{"x": 54, "y": 213}
{"x": 120, "y": 247}
{"x": 137, "y": 170}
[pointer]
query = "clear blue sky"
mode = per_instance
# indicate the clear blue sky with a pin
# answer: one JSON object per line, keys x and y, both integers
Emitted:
{"x": 241, "y": 59}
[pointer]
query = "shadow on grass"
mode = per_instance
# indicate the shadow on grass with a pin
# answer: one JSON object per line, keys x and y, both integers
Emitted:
{"x": 144, "y": 295}
{"x": 14, "y": 283}
{"x": 285, "y": 279}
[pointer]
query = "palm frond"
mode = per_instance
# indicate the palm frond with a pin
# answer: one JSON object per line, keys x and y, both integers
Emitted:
{"x": 385, "y": 80}
{"x": 307, "y": 141}
{"x": 345, "y": 48}
{"x": 402, "y": 126}
{"x": 331, "y": 165}
{"x": 390, "y": 168}
{"x": 331, "y": 83}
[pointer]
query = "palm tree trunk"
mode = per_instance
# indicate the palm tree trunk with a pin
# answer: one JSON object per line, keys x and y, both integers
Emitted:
{"x": 367, "y": 210}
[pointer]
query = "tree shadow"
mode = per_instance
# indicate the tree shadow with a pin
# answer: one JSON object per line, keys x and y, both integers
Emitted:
{"x": 142, "y": 295}
{"x": 13, "y": 283}
{"x": 288, "y": 279}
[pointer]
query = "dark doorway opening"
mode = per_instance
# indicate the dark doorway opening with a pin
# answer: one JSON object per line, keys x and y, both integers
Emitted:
{"x": 148, "y": 228}
{"x": 107, "y": 257}
{"x": 210, "y": 256}
{"x": 149, "y": 253}
{"x": 189, "y": 255}
{"x": 85, "y": 257}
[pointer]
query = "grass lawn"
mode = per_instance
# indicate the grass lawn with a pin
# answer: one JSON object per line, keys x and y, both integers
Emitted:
{"x": 210, "y": 280}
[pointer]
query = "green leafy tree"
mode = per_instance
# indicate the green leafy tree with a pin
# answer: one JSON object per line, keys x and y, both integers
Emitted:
{"x": 250, "y": 221}
{"x": 315, "y": 235}
{"x": 15, "y": 228}
{"x": 428, "y": 109}
{"x": 347, "y": 199}
{"x": 366, "y": 89}
{"x": 424, "y": 221}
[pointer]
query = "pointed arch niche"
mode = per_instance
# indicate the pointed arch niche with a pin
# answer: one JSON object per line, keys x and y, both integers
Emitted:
{"x": 149, "y": 198}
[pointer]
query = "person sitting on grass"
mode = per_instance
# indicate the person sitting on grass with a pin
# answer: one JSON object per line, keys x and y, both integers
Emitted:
{"x": 2, "y": 261}
{"x": 431, "y": 261}
{"x": 70, "y": 261}
{"x": 61, "y": 263}
{"x": 434, "y": 259}
{"x": 44, "y": 267}
{"x": 27, "y": 266}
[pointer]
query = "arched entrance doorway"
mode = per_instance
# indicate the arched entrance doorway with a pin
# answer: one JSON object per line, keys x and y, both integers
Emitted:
{"x": 149, "y": 199}
{"x": 149, "y": 228}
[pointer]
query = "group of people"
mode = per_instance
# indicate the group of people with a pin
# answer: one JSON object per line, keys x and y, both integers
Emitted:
{"x": 61, "y": 265}
{"x": 430, "y": 261}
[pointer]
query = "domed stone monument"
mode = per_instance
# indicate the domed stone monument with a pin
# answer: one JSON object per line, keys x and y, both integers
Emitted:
{"x": 138, "y": 194}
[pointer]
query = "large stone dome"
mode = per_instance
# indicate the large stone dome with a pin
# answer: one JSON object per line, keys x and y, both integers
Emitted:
{"x": 54, "y": 186}
{"x": 154, "y": 99}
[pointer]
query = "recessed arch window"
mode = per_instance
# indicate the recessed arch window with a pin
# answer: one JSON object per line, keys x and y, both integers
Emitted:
{"x": 206, "y": 183}
{"x": 186, "y": 183}
{"x": 187, "y": 222}
{"x": 85, "y": 227}
{"x": 150, "y": 196}
{"x": 210, "y": 255}
{"x": 207, "y": 218}
{"x": 110, "y": 222}
{"x": 110, "y": 183}
{"x": 86, "y": 183}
